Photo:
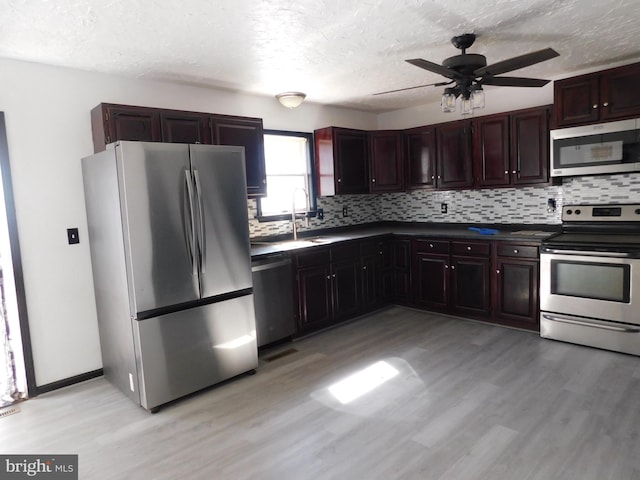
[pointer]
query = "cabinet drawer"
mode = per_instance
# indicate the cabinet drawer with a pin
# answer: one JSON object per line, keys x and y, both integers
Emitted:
{"x": 517, "y": 250}
{"x": 425, "y": 245}
{"x": 346, "y": 251}
{"x": 313, "y": 257}
{"x": 482, "y": 249}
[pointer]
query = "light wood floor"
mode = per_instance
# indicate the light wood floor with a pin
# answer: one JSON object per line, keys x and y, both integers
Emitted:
{"x": 471, "y": 401}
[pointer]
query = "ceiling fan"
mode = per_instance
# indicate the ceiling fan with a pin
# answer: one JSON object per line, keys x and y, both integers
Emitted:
{"x": 469, "y": 71}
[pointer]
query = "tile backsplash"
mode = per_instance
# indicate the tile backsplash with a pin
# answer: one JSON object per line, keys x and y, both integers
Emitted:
{"x": 526, "y": 205}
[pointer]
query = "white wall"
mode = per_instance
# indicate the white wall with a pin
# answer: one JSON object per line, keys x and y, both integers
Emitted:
{"x": 48, "y": 129}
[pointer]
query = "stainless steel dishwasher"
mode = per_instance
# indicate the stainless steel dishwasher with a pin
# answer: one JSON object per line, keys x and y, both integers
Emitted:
{"x": 273, "y": 297}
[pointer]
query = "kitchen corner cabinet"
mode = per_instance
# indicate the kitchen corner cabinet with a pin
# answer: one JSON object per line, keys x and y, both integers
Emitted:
{"x": 342, "y": 159}
{"x": 420, "y": 157}
{"x": 516, "y": 285}
{"x": 598, "y": 97}
{"x": 386, "y": 161}
{"x": 454, "y": 156}
{"x": 111, "y": 122}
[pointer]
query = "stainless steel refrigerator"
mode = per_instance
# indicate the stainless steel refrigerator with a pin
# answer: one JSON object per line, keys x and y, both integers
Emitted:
{"x": 169, "y": 240}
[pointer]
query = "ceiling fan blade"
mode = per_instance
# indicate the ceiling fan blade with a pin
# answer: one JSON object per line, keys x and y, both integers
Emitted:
{"x": 433, "y": 67}
{"x": 514, "y": 81}
{"x": 439, "y": 84}
{"x": 516, "y": 63}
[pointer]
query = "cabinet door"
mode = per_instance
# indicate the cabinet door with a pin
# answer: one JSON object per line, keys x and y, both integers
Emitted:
{"x": 402, "y": 270}
{"x": 131, "y": 123}
{"x": 430, "y": 279}
{"x": 576, "y": 100}
{"x": 420, "y": 148}
{"x": 454, "y": 155}
{"x": 517, "y": 293}
{"x": 530, "y": 147}
{"x": 247, "y": 133}
{"x": 386, "y": 161}
{"x": 371, "y": 283}
{"x": 185, "y": 127}
{"x": 314, "y": 297}
{"x": 351, "y": 159}
{"x": 346, "y": 286}
{"x": 470, "y": 279}
{"x": 491, "y": 150}
{"x": 620, "y": 97}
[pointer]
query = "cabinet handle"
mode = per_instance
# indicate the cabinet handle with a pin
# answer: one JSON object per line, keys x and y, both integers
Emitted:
{"x": 439, "y": 177}
{"x": 453, "y": 267}
{"x": 513, "y": 171}
{"x": 364, "y": 268}
{"x": 380, "y": 252}
{"x": 468, "y": 249}
{"x": 334, "y": 275}
{"x": 498, "y": 272}
{"x": 328, "y": 277}
{"x": 373, "y": 180}
{"x": 433, "y": 177}
{"x": 605, "y": 104}
{"x": 506, "y": 172}
{"x": 446, "y": 266}
{"x": 431, "y": 245}
{"x": 515, "y": 250}
{"x": 264, "y": 181}
{"x": 339, "y": 180}
{"x": 595, "y": 106}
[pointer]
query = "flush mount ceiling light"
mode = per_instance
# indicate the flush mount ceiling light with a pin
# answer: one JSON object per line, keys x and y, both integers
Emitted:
{"x": 291, "y": 99}
{"x": 468, "y": 72}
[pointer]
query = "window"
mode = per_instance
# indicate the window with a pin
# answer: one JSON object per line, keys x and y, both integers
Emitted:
{"x": 289, "y": 175}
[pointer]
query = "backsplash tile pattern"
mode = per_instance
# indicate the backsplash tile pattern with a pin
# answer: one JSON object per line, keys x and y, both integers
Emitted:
{"x": 527, "y": 205}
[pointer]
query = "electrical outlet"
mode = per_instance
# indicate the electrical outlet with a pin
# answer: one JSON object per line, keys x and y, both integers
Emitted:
{"x": 345, "y": 211}
{"x": 551, "y": 205}
{"x": 320, "y": 214}
{"x": 72, "y": 236}
{"x": 443, "y": 208}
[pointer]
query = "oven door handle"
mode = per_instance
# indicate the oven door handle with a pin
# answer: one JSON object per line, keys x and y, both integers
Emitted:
{"x": 586, "y": 323}
{"x": 558, "y": 251}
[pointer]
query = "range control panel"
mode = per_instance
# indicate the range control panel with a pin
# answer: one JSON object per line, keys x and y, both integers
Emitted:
{"x": 601, "y": 213}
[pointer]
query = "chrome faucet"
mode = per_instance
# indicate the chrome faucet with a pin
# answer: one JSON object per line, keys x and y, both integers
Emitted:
{"x": 293, "y": 211}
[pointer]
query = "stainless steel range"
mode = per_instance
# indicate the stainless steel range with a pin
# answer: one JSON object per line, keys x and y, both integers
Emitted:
{"x": 590, "y": 278}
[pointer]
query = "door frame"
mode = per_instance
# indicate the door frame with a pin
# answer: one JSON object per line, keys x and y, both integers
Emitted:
{"x": 16, "y": 259}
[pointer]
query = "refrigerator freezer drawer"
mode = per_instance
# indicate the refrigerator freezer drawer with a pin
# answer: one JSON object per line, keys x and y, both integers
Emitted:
{"x": 186, "y": 351}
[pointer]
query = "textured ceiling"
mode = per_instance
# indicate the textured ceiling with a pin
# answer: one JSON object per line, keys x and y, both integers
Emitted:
{"x": 339, "y": 52}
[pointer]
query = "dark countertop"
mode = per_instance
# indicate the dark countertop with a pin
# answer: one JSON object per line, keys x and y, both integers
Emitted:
{"x": 523, "y": 233}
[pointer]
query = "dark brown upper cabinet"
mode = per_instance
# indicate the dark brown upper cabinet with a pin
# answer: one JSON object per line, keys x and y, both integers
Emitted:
{"x": 529, "y": 146}
{"x": 111, "y": 123}
{"x": 420, "y": 154}
{"x": 248, "y": 133}
{"x": 454, "y": 159}
{"x": 185, "y": 127}
{"x": 598, "y": 97}
{"x": 491, "y": 150}
{"x": 342, "y": 159}
{"x": 386, "y": 161}
{"x": 122, "y": 122}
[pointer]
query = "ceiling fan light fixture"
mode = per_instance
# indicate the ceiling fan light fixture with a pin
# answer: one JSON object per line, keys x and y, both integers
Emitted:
{"x": 291, "y": 99}
{"x": 448, "y": 102}
{"x": 477, "y": 96}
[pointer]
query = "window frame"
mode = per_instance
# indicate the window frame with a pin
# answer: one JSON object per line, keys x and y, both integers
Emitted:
{"x": 313, "y": 204}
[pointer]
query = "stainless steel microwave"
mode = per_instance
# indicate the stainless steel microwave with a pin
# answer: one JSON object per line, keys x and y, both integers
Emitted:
{"x": 612, "y": 147}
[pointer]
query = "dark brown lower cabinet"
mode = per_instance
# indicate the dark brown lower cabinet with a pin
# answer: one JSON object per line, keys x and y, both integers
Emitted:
{"x": 430, "y": 274}
{"x": 402, "y": 270}
{"x": 377, "y": 274}
{"x": 314, "y": 297}
{"x": 470, "y": 286}
{"x": 516, "y": 286}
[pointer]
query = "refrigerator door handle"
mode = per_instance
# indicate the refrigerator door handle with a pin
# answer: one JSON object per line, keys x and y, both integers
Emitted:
{"x": 202, "y": 245}
{"x": 191, "y": 228}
